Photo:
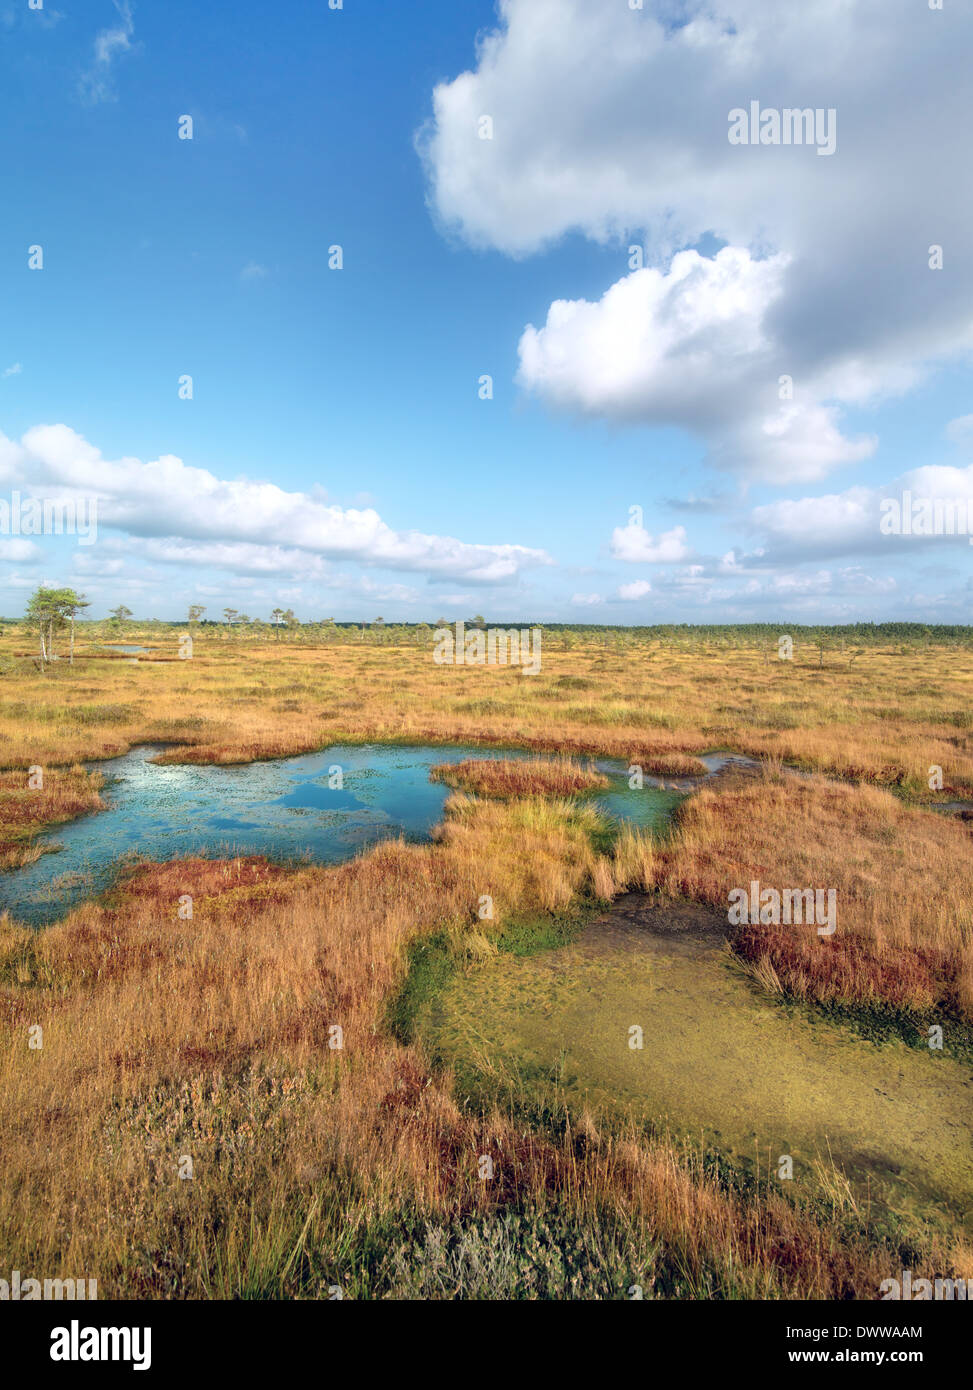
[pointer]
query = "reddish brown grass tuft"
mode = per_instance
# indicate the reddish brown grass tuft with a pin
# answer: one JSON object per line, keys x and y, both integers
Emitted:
{"x": 520, "y": 777}
{"x": 903, "y": 879}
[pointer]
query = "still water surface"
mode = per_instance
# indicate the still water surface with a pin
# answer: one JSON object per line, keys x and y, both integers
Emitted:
{"x": 285, "y": 809}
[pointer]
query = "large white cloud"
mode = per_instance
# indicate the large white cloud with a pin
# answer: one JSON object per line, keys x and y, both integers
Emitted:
{"x": 691, "y": 346}
{"x": 614, "y": 122}
{"x": 238, "y": 523}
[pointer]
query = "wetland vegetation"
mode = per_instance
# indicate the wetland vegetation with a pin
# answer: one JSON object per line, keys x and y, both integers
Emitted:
{"x": 413, "y": 1072}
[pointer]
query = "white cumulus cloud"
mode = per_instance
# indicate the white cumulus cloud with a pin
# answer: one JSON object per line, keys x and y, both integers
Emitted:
{"x": 190, "y": 514}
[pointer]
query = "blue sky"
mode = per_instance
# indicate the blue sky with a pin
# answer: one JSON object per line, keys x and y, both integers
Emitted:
{"x": 336, "y": 456}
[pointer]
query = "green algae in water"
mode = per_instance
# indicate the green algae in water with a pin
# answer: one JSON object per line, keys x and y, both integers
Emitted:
{"x": 719, "y": 1063}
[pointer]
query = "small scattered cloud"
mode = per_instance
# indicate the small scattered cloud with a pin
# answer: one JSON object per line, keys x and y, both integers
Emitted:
{"x": 15, "y": 580}
{"x": 253, "y": 270}
{"x": 46, "y": 18}
{"x": 95, "y": 84}
{"x": 13, "y": 370}
{"x": 711, "y": 505}
{"x": 638, "y": 589}
{"x": 633, "y": 543}
{"x": 96, "y": 566}
{"x": 20, "y": 551}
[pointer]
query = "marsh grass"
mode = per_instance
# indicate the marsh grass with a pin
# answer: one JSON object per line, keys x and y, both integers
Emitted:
{"x": 66, "y": 793}
{"x": 209, "y": 1037}
{"x": 903, "y": 879}
{"x": 884, "y": 719}
{"x": 315, "y": 1166}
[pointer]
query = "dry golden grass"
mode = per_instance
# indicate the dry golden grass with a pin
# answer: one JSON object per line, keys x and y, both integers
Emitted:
{"x": 209, "y": 1037}
{"x": 886, "y": 717}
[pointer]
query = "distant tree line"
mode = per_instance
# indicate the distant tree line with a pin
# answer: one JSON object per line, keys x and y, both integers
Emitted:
{"x": 53, "y": 612}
